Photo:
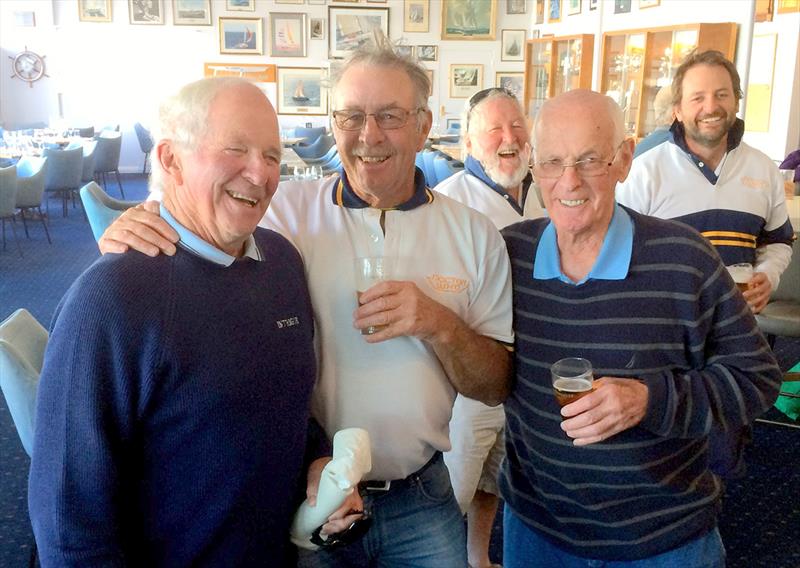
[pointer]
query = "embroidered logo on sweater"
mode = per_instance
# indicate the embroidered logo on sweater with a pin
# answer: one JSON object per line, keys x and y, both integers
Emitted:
{"x": 754, "y": 183}
{"x": 447, "y": 283}
{"x": 288, "y": 322}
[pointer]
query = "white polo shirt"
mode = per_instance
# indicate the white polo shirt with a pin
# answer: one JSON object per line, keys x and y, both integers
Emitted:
{"x": 397, "y": 389}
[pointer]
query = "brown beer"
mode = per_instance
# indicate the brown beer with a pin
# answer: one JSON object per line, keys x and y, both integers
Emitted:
{"x": 570, "y": 390}
{"x": 369, "y": 330}
{"x": 743, "y": 286}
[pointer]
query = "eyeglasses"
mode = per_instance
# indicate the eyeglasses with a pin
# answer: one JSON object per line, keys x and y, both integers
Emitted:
{"x": 387, "y": 119}
{"x": 589, "y": 167}
{"x": 480, "y": 95}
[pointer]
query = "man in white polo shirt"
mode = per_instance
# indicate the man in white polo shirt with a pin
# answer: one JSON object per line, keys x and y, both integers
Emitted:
{"x": 496, "y": 181}
{"x": 447, "y": 311}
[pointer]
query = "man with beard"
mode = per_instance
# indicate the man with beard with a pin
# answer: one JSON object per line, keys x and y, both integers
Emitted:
{"x": 495, "y": 181}
{"x": 708, "y": 178}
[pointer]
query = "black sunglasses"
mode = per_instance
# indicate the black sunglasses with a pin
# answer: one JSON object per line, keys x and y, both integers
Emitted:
{"x": 482, "y": 94}
{"x": 351, "y": 534}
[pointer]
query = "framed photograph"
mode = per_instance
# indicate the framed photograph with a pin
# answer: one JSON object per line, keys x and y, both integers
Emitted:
{"x": 94, "y": 10}
{"x": 316, "y": 28}
{"x": 453, "y": 124}
{"x": 593, "y": 4}
{"x": 427, "y": 52}
{"x": 622, "y": 6}
{"x": 465, "y": 19}
{"x": 514, "y": 82}
{"x": 573, "y": 7}
{"x": 241, "y": 35}
{"x": 25, "y": 19}
{"x": 350, "y": 28}
{"x": 516, "y": 6}
{"x": 512, "y": 45}
{"x": 241, "y": 5}
{"x": 465, "y": 79}
{"x": 404, "y": 50}
{"x": 539, "y": 12}
{"x": 416, "y": 15}
{"x": 555, "y": 11}
{"x": 191, "y": 12}
{"x": 287, "y": 35}
{"x": 300, "y": 91}
{"x": 788, "y": 6}
{"x": 649, "y": 3}
{"x": 146, "y": 12}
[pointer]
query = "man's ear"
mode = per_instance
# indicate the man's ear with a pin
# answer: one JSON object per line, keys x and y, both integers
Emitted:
{"x": 170, "y": 161}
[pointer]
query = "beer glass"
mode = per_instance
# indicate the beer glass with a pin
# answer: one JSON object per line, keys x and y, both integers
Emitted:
{"x": 572, "y": 378}
{"x": 369, "y": 271}
{"x": 741, "y": 274}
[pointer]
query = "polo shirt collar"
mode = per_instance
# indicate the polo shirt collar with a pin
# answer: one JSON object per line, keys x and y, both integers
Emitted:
{"x": 344, "y": 196}
{"x": 198, "y": 247}
{"x": 612, "y": 263}
{"x": 474, "y": 167}
{"x": 735, "y": 135}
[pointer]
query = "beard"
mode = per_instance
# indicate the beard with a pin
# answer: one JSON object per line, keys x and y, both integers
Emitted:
{"x": 507, "y": 180}
{"x": 710, "y": 139}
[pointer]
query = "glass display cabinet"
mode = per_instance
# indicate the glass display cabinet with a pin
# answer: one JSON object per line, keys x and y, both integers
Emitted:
{"x": 554, "y": 65}
{"x": 637, "y": 63}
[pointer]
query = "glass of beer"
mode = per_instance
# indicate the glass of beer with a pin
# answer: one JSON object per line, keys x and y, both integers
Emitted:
{"x": 741, "y": 274}
{"x": 572, "y": 378}
{"x": 369, "y": 271}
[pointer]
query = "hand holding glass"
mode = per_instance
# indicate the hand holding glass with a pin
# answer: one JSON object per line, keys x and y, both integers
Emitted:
{"x": 741, "y": 273}
{"x": 572, "y": 379}
{"x": 369, "y": 271}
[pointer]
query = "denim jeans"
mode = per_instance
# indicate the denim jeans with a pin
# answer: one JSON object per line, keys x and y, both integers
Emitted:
{"x": 524, "y": 548}
{"x": 417, "y": 523}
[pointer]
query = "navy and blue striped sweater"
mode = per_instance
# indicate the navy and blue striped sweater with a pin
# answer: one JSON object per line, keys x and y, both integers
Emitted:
{"x": 675, "y": 322}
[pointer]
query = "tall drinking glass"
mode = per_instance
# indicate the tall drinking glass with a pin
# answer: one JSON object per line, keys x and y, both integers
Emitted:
{"x": 572, "y": 379}
{"x": 369, "y": 271}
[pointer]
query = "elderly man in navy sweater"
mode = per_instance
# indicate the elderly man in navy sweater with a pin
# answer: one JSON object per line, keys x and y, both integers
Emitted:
{"x": 620, "y": 475}
{"x": 172, "y": 421}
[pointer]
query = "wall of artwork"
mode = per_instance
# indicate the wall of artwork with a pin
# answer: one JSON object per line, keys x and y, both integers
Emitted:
{"x": 108, "y": 66}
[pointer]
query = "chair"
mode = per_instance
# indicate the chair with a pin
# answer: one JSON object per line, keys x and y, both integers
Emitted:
{"x": 101, "y": 209}
{"x": 309, "y": 135}
{"x": 30, "y": 189}
{"x": 326, "y": 157}
{"x": 443, "y": 168}
{"x": 430, "y": 172}
{"x": 89, "y": 160}
{"x": 145, "y": 142}
{"x": 87, "y": 132}
{"x": 22, "y": 344}
{"x": 8, "y": 198}
{"x": 63, "y": 173}
{"x": 781, "y": 316}
{"x": 316, "y": 150}
{"x": 106, "y": 160}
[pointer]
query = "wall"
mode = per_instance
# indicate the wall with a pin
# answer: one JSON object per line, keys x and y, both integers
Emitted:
{"x": 104, "y": 73}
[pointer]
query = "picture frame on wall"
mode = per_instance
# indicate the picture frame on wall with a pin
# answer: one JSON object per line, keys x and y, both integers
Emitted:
{"x": 465, "y": 79}
{"x": 24, "y": 18}
{"x": 300, "y": 91}
{"x": 512, "y": 81}
{"x": 649, "y": 3}
{"x": 243, "y": 36}
{"x": 404, "y": 50}
{"x": 240, "y": 5}
{"x": 287, "y": 35}
{"x": 416, "y": 16}
{"x": 788, "y": 6}
{"x": 191, "y": 12}
{"x": 350, "y": 28}
{"x": 146, "y": 12}
{"x": 94, "y": 10}
{"x": 512, "y": 45}
{"x": 453, "y": 124}
{"x": 554, "y": 14}
{"x": 539, "y": 12}
{"x": 516, "y": 6}
{"x": 427, "y": 52}
{"x": 480, "y": 25}
{"x": 622, "y": 6}
{"x": 573, "y": 7}
{"x": 316, "y": 28}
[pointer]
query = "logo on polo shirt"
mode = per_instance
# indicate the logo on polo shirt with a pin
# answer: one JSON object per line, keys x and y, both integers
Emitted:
{"x": 755, "y": 183}
{"x": 288, "y": 322}
{"x": 447, "y": 283}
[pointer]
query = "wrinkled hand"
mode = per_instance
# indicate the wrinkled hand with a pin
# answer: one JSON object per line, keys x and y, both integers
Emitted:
{"x": 405, "y": 310}
{"x": 615, "y": 405}
{"x": 139, "y": 228}
{"x": 343, "y": 517}
{"x": 758, "y": 290}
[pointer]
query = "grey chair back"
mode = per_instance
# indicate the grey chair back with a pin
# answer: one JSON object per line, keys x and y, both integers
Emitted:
{"x": 8, "y": 191}
{"x": 106, "y": 158}
{"x": 30, "y": 181}
{"x": 64, "y": 169}
{"x": 89, "y": 160}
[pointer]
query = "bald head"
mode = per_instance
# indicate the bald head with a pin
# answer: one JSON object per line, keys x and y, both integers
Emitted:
{"x": 588, "y": 108}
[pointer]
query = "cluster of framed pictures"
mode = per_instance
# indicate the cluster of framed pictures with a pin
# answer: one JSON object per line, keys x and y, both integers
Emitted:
{"x": 467, "y": 78}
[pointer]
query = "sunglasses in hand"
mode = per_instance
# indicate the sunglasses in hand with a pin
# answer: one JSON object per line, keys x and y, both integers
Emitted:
{"x": 351, "y": 534}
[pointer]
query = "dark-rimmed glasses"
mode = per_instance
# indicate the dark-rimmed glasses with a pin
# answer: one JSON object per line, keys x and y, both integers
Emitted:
{"x": 386, "y": 119}
{"x": 588, "y": 167}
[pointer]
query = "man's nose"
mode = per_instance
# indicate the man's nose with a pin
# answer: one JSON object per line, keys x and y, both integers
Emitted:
{"x": 371, "y": 133}
{"x": 258, "y": 169}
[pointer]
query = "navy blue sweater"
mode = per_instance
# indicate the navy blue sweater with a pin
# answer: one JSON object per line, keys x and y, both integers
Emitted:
{"x": 172, "y": 413}
{"x": 675, "y": 322}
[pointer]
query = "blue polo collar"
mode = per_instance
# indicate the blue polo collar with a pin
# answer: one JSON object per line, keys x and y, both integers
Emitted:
{"x": 735, "y": 135}
{"x": 198, "y": 247}
{"x": 612, "y": 263}
{"x": 474, "y": 167}
{"x": 344, "y": 196}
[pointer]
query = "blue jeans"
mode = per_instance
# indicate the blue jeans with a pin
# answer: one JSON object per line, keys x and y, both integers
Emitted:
{"x": 417, "y": 523}
{"x": 524, "y": 548}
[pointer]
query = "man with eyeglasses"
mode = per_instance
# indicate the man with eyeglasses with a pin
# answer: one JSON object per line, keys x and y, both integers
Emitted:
{"x": 620, "y": 475}
{"x": 495, "y": 181}
{"x": 446, "y": 310}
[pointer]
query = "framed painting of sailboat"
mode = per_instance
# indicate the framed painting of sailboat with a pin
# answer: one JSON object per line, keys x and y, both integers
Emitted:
{"x": 300, "y": 91}
{"x": 241, "y": 35}
{"x": 287, "y": 35}
{"x": 469, "y": 19}
{"x": 512, "y": 45}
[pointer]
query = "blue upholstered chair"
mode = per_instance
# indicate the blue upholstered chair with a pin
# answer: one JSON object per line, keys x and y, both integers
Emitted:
{"x": 30, "y": 189}
{"x": 101, "y": 209}
{"x": 63, "y": 173}
{"x": 316, "y": 150}
{"x": 106, "y": 161}
{"x": 309, "y": 135}
{"x": 89, "y": 161}
{"x": 8, "y": 199}
{"x": 443, "y": 167}
{"x": 145, "y": 142}
{"x": 430, "y": 171}
{"x": 326, "y": 157}
{"x": 22, "y": 344}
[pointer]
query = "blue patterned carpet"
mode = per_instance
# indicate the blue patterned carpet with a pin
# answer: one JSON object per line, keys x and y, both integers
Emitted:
{"x": 761, "y": 514}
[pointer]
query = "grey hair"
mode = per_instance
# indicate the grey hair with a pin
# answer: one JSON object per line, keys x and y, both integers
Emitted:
{"x": 470, "y": 112}
{"x": 662, "y": 106}
{"x": 183, "y": 118}
{"x": 382, "y": 53}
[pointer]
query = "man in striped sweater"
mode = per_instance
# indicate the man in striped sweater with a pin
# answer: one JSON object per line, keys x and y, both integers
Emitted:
{"x": 622, "y": 473}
